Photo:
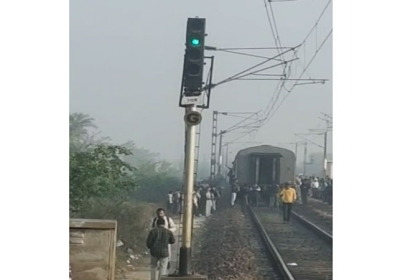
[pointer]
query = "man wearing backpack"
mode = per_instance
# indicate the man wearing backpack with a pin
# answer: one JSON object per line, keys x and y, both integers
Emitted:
{"x": 159, "y": 241}
{"x": 169, "y": 224}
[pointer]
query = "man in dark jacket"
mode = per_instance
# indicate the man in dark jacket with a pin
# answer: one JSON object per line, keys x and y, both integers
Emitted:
{"x": 304, "y": 189}
{"x": 169, "y": 224}
{"x": 157, "y": 241}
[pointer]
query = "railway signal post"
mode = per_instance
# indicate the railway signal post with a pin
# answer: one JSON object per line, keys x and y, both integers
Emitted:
{"x": 192, "y": 118}
{"x": 192, "y": 91}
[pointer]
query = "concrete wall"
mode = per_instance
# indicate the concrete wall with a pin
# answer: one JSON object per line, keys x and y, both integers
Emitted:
{"x": 243, "y": 163}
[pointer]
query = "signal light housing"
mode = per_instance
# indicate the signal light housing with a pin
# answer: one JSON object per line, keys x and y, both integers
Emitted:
{"x": 194, "y": 56}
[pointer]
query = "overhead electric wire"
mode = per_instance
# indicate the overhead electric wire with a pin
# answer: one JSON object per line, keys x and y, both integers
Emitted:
{"x": 276, "y": 28}
{"x": 281, "y": 86}
{"x": 308, "y": 65}
{"x": 275, "y": 96}
{"x": 272, "y": 24}
{"x": 263, "y": 69}
{"x": 240, "y": 137}
{"x": 234, "y": 127}
{"x": 251, "y": 55}
{"x": 312, "y": 142}
{"x": 316, "y": 23}
{"x": 275, "y": 79}
{"x": 312, "y": 29}
{"x": 272, "y": 113}
{"x": 260, "y": 48}
{"x": 269, "y": 75}
{"x": 241, "y": 117}
{"x": 286, "y": 66}
{"x": 250, "y": 68}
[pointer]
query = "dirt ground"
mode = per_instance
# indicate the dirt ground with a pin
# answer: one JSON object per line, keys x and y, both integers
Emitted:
{"x": 223, "y": 250}
{"x": 139, "y": 269}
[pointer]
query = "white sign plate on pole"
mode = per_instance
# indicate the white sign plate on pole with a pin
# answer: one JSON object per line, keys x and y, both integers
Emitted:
{"x": 192, "y": 100}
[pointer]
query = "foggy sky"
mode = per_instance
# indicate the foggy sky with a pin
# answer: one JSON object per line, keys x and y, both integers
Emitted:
{"x": 126, "y": 64}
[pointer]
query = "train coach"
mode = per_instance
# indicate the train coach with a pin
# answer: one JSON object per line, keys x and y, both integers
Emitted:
{"x": 264, "y": 165}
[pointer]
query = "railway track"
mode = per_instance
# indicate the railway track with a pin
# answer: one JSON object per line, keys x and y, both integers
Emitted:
{"x": 317, "y": 212}
{"x": 300, "y": 250}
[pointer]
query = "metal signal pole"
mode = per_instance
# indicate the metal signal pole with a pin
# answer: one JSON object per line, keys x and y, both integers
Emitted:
{"x": 190, "y": 98}
{"x": 192, "y": 118}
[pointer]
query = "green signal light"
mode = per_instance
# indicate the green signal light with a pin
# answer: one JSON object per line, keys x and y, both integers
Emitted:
{"x": 195, "y": 42}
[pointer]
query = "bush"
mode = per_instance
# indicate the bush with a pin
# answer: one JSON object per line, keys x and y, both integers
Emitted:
{"x": 133, "y": 219}
{"x": 155, "y": 189}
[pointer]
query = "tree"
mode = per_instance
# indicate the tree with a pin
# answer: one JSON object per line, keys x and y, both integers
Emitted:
{"x": 79, "y": 123}
{"x": 140, "y": 156}
{"x": 80, "y": 139}
{"x": 155, "y": 180}
{"x": 99, "y": 169}
{"x": 99, "y": 173}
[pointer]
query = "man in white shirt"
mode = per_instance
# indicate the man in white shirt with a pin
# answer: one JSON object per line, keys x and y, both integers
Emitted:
{"x": 196, "y": 198}
{"x": 255, "y": 194}
{"x": 315, "y": 187}
{"x": 235, "y": 189}
{"x": 170, "y": 202}
{"x": 177, "y": 200}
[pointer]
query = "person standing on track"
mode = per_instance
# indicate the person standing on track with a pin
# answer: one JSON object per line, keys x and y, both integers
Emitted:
{"x": 214, "y": 199}
{"x": 209, "y": 198}
{"x": 274, "y": 192}
{"x": 267, "y": 195}
{"x": 169, "y": 225}
{"x": 196, "y": 199}
{"x": 159, "y": 241}
{"x": 177, "y": 202}
{"x": 235, "y": 190}
{"x": 298, "y": 190}
{"x": 202, "y": 201}
{"x": 243, "y": 196}
{"x": 170, "y": 201}
{"x": 315, "y": 187}
{"x": 256, "y": 194}
{"x": 305, "y": 188}
{"x": 288, "y": 198}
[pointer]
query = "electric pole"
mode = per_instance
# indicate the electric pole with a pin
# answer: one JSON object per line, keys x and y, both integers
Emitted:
{"x": 296, "y": 148}
{"x": 227, "y": 156}
{"x": 214, "y": 135}
{"x": 325, "y": 148}
{"x": 328, "y": 120}
{"x": 217, "y": 159}
{"x": 220, "y": 152}
{"x": 305, "y": 159}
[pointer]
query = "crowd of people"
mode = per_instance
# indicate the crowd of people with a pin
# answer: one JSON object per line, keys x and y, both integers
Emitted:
{"x": 205, "y": 200}
{"x": 162, "y": 227}
{"x": 283, "y": 196}
{"x": 318, "y": 188}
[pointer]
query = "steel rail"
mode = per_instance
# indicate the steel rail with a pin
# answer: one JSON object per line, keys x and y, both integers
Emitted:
{"x": 279, "y": 260}
{"x": 315, "y": 229}
{"x": 271, "y": 247}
